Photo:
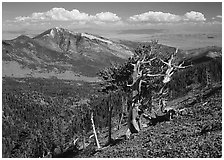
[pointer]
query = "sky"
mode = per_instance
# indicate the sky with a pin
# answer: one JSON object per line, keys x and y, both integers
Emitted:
{"x": 124, "y": 20}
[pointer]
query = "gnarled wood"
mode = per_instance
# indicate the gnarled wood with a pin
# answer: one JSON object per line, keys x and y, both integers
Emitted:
{"x": 171, "y": 67}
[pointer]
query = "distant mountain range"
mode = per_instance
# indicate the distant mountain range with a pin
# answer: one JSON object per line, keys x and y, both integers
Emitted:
{"x": 60, "y": 51}
{"x": 64, "y": 54}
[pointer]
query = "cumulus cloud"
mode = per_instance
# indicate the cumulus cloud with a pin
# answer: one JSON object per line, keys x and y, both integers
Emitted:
{"x": 61, "y": 14}
{"x": 194, "y": 16}
{"x": 107, "y": 16}
{"x": 160, "y": 17}
{"x": 103, "y": 18}
{"x": 155, "y": 17}
{"x": 57, "y": 14}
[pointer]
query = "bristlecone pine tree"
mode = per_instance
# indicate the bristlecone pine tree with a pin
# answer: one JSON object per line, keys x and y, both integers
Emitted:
{"x": 146, "y": 72}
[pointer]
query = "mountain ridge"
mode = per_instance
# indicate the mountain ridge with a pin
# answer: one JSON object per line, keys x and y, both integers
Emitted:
{"x": 61, "y": 53}
{"x": 82, "y": 53}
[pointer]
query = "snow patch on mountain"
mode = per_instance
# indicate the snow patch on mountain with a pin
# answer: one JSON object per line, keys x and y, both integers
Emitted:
{"x": 97, "y": 38}
{"x": 58, "y": 28}
{"x": 52, "y": 33}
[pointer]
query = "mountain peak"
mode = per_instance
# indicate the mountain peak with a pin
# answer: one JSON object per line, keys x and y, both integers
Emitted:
{"x": 64, "y": 40}
{"x": 50, "y": 32}
{"x": 58, "y": 29}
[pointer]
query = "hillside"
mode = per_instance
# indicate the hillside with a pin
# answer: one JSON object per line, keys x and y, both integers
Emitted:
{"x": 50, "y": 92}
{"x": 197, "y": 133}
{"x": 59, "y": 52}
{"x": 65, "y": 54}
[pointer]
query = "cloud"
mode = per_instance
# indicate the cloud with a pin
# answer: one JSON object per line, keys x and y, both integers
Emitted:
{"x": 55, "y": 14}
{"x": 160, "y": 17}
{"x": 155, "y": 17}
{"x": 107, "y": 16}
{"x": 194, "y": 16}
{"x": 61, "y": 14}
{"x": 77, "y": 19}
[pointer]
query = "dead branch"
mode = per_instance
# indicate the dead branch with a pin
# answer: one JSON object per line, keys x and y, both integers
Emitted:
{"x": 180, "y": 66}
{"x": 75, "y": 141}
{"x": 154, "y": 75}
{"x": 163, "y": 92}
{"x": 140, "y": 85}
{"x": 149, "y": 61}
{"x": 171, "y": 67}
{"x": 94, "y": 131}
{"x": 138, "y": 73}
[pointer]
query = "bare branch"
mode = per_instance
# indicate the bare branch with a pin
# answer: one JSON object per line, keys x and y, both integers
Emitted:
{"x": 140, "y": 85}
{"x": 162, "y": 92}
{"x": 135, "y": 78}
{"x": 94, "y": 131}
{"x": 164, "y": 61}
{"x": 149, "y": 61}
{"x": 154, "y": 75}
{"x": 168, "y": 75}
{"x": 143, "y": 58}
{"x": 182, "y": 67}
{"x": 171, "y": 68}
{"x": 75, "y": 141}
